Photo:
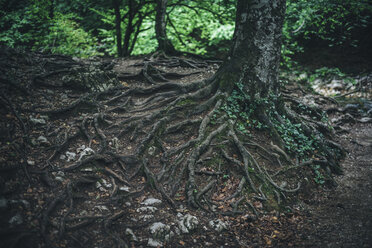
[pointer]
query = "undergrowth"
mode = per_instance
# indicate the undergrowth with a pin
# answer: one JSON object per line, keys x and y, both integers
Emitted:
{"x": 241, "y": 109}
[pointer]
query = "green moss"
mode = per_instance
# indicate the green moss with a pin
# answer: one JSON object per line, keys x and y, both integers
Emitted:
{"x": 186, "y": 102}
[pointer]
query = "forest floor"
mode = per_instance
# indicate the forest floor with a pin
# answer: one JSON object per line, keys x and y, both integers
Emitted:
{"x": 50, "y": 198}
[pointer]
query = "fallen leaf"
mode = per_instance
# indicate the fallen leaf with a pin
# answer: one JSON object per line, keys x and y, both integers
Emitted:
{"x": 124, "y": 83}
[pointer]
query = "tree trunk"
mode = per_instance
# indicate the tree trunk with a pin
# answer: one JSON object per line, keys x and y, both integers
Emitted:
{"x": 51, "y": 9}
{"x": 164, "y": 44}
{"x": 129, "y": 30}
{"x": 116, "y": 4}
{"x": 253, "y": 64}
{"x": 255, "y": 53}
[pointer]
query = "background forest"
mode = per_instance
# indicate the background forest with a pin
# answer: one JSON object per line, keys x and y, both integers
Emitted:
{"x": 85, "y": 28}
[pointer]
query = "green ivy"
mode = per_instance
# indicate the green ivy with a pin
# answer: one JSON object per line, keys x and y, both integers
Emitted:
{"x": 319, "y": 177}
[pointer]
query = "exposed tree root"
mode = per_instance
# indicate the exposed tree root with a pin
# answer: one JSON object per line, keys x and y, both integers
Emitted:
{"x": 175, "y": 138}
{"x": 158, "y": 114}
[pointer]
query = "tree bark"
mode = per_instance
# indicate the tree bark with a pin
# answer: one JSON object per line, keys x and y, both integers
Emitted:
{"x": 116, "y": 4}
{"x": 255, "y": 52}
{"x": 129, "y": 29}
{"x": 164, "y": 44}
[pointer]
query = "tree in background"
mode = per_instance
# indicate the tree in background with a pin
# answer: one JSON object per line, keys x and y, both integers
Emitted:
{"x": 164, "y": 44}
{"x": 136, "y": 12}
{"x": 116, "y": 4}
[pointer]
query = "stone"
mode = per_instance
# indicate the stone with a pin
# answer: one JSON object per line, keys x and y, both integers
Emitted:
{"x": 37, "y": 121}
{"x": 124, "y": 188}
{"x": 283, "y": 184}
{"x": 62, "y": 157}
{"x": 34, "y": 142}
{"x": 154, "y": 243}
{"x": 302, "y": 76}
{"x": 336, "y": 84}
{"x": 218, "y": 225}
{"x": 115, "y": 143}
{"x": 70, "y": 156}
{"x": 147, "y": 209}
{"x": 86, "y": 152}
{"x": 105, "y": 183}
{"x": 30, "y": 162}
{"x": 59, "y": 179}
{"x": 151, "y": 201}
{"x": 146, "y": 217}
{"x": 64, "y": 96}
{"x": 101, "y": 208}
{"x": 83, "y": 212}
{"x": 365, "y": 120}
{"x": 99, "y": 186}
{"x": 43, "y": 140}
{"x": 60, "y": 173}
{"x": 44, "y": 117}
{"x": 187, "y": 223}
{"x": 130, "y": 234}
{"x": 177, "y": 230}
{"x": 80, "y": 149}
{"x": 16, "y": 220}
{"x": 160, "y": 231}
{"x": 151, "y": 150}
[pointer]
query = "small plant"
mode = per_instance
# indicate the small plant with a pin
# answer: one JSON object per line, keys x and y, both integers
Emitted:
{"x": 296, "y": 142}
{"x": 328, "y": 74}
{"x": 239, "y": 107}
{"x": 319, "y": 177}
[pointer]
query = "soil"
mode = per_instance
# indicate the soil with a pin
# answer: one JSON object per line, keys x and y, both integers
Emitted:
{"x": 341, "y": 217}
{"x": 43, "y": 207}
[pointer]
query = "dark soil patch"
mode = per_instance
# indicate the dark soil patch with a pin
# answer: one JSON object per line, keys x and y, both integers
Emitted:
{"x": 342, "y": 217}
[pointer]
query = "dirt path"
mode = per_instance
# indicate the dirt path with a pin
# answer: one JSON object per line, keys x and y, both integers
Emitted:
{"x": 343, "y": 217}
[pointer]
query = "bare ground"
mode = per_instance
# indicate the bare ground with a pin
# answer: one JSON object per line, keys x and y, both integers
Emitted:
{"x": 342, "y": 217}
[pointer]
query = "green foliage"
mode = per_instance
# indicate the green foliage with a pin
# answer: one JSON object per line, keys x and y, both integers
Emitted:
{"x": 67, "y": 37}
{"x": 22, "y": 27}
{"x": 319, "y": 177}
{"x": 327, "y": 74}
{"x": 146, "y": 42}
{"x": 32, "y": 27}
{"x": 240, "y": 108}
{"x": 295, "y": 140}
{"x": 330, "y": 22}
{"x": 201, "y": 26}
{"x": 186, "y": 102}
{"x": 106, "y": 34}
